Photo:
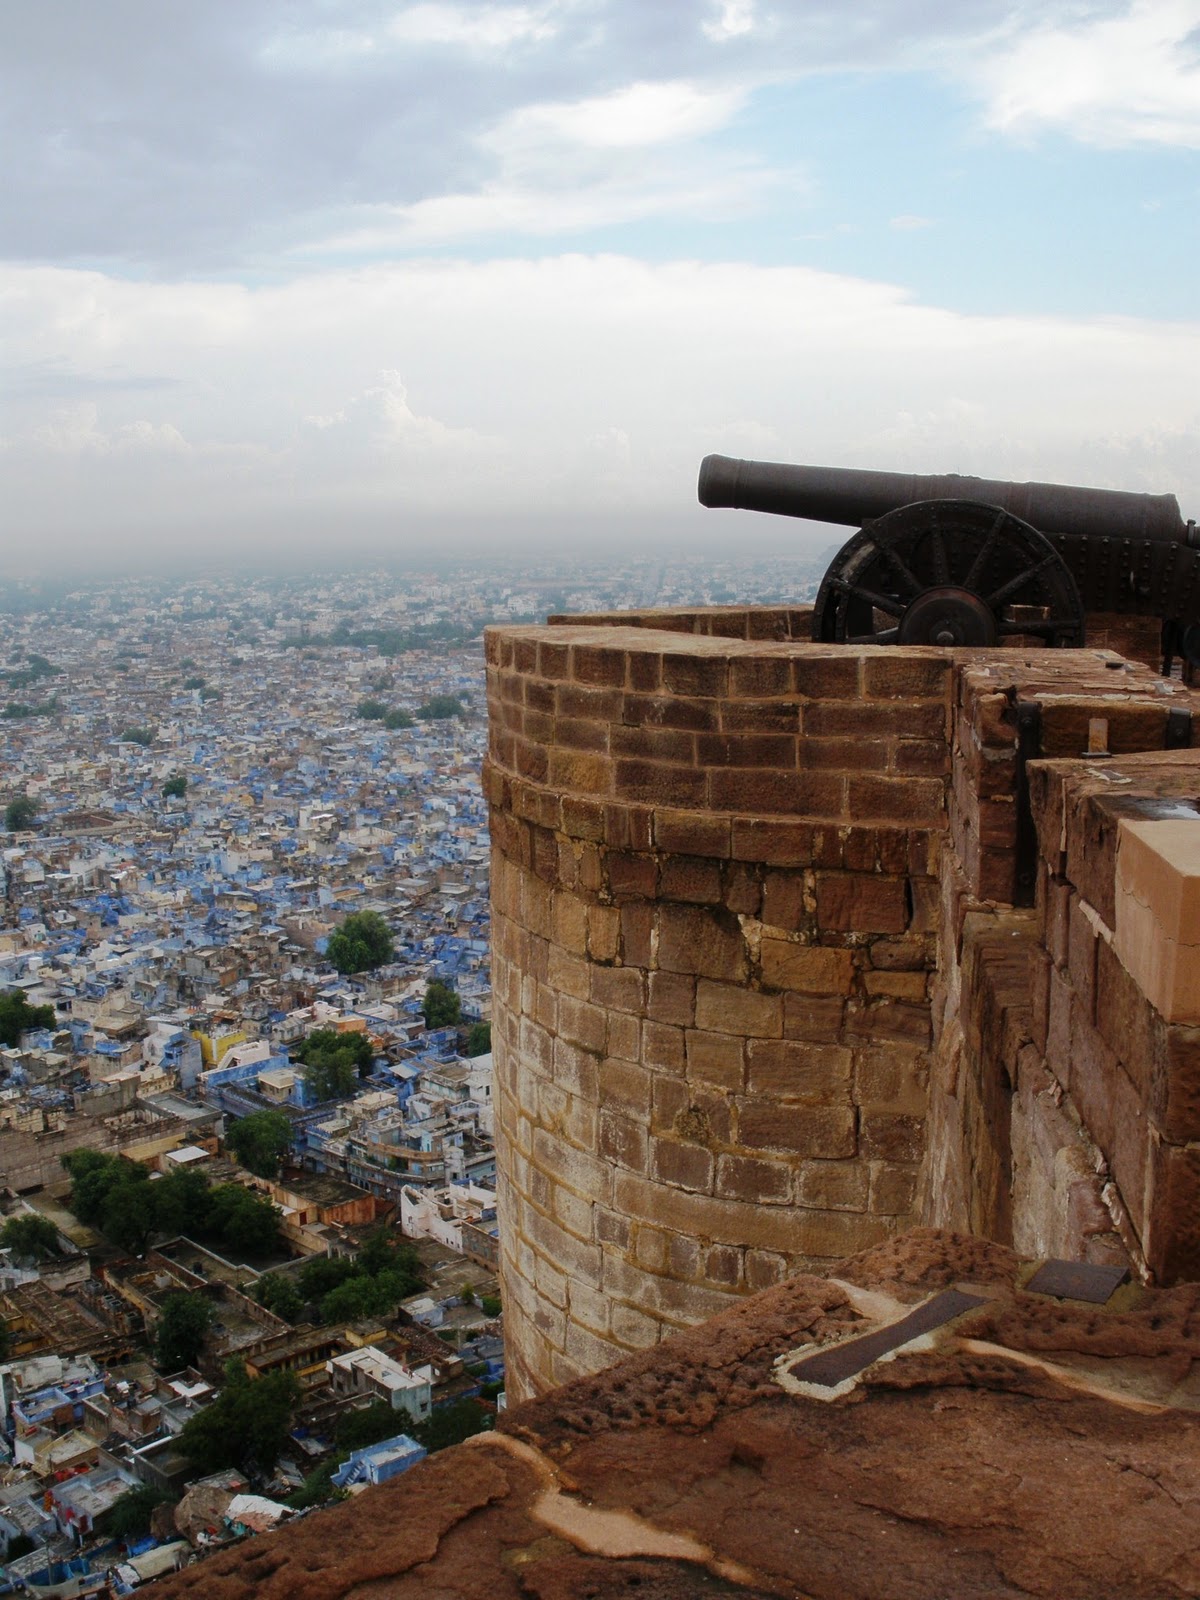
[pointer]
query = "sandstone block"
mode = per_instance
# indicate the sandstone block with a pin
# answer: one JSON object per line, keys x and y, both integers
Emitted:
{"x": 855, "y": 903}
{"x": 792, "y": 1070}
{"x": 707, "y": 942}
{"x": 715, "y": 1058}
{"x": 806, "y": 968}
{"x": 728, "y": 1008}
{"x": 824, "y": 1132}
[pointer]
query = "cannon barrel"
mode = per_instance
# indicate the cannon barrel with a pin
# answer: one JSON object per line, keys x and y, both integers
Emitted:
{"x": 849, "y": 496}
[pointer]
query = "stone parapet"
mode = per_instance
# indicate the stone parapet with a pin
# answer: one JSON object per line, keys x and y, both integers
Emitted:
{"x": 725, "y": 863}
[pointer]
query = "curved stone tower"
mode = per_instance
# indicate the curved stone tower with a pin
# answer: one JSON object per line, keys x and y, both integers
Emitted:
{"x": 714, "y": 894}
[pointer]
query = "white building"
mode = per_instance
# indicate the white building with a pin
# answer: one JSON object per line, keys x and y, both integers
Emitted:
{"x": 370, "y": 1372}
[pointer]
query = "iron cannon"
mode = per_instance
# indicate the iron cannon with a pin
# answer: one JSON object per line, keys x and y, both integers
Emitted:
{"x": 955, "y": 560}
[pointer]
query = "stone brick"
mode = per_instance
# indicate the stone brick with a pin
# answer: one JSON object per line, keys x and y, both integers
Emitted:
{"x": 708, "y": 943}
{"x": 625, "y": 1087}
{"x": 630, "y": 874}
{"x": 893, "y": 1188}
{"x": 765, "y": 793}
{"x": 716, "y": 1058}
{"x": 782, "y": 843}
{"x": 834, "y": 675}
{"x": 746, "y": 750}
{"x": 728, "y": 1008}
{"x": 624, "y": 1036}
{"x": 703, "y": 676}
{"x": 916, "y": 800}
{"x": 633, "y": 1329}
{"x": 662, "y": 1048}
{"x": 686, "y": 1166}
{"x": 764, "y": 1269}
{"x": 806, "y": 1130}
{"x": 806, "y": 968}
{"x": 576, "y": 769}
{"x": 1173, "y": 1237}
{"x": 885, "y": 1136}
{"x": 672, "y": 998}
{"x": 784, "y": 899}
{"x": 658, "y": 784}
{"x": 692, "y": 833}
{"x": 887, "y": 1019}
{"x": 603, "y": 932}
{"x": 723, "y": 1265}
{"x": 623, "y": 1141}
{"x": 749, "y": 1178}
{"x": 670, "y": 711}
{"x": 655, "y": 744}
{"x": 887, "y": 1078}
{"x": 857, "y": 903}
{"x": 760, "y": 677}
{"x": 815, "y": 1018}
{"x": 833, "y": 1185}
{"x": 910, "y": 986}
{"x": 683, "y": 1256}
{"x": 637, "y": 933}
{"x": 906, "y": 675}
{"x": 792, "y": 1070}
{"x": 598, "y": 664}
{"x": 691, "y": 878}
{"x": 1081, "y": 957}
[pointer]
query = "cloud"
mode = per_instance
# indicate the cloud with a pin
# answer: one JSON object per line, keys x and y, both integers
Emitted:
{"x": 734, "y": 19}
{"x": 1107, "y": 79}
{"x": 388, "y": 402}
{"x": 906, "y": 223}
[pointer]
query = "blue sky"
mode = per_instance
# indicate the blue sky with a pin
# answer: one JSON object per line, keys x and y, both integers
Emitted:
{"x": 493, "y": 271}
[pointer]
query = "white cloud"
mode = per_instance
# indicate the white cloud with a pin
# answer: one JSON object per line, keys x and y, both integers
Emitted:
{"x": 508, "y": 391}
{"x": 635, "y": 115}
{"x": 907, "y": 223}
{"x": 1105, "y": 79}
{"x": 479, "y": 27}
{"x": 734, "y": 19}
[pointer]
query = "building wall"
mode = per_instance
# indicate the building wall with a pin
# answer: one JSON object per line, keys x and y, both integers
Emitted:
{"x": 732, "y": 877}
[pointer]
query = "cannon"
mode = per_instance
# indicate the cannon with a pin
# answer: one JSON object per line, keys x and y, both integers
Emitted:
{"x": 951, "y": 560}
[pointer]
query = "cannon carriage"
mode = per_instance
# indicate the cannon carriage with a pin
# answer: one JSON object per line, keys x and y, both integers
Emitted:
{"x": 963, "y": 561}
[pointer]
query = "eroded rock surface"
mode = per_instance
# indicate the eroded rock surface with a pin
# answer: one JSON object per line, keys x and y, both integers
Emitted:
{"x": 1030, "y": 1447}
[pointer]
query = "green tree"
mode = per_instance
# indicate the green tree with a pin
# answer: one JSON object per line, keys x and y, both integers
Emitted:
{"x": 186, "y": 1318}
{"x": 143, "y": 736}
{"x": 246, "y": 1222}
{"x": 181, "y": 1203}
{"x": 333, "y": 1061}
{"x": 361, "y": 943}
{"x": 367, "y": 1425}
{"x": 323, "y": 1273}
{"x": 479, "y": 1039}
{"x": 30, "y": 1238}
{"x": 128, "y": 1215}
{"x": 193, "y": 682}
{"x": 489, "y": 1304}
{"x": 175, "y": 787}
{"x": 280, "y": 1295}
{"x": 17, "y": 1016}
{"x": 260, "y": 1141}
{"x": 396, "y": 718}
{"x": 440, "y": 706}
{"x": 447, "y": 1425}
{"x": 246, "y": 1426}
{"x": 371, "y": 710}
{"x": 441, "y": 1006}
{"x": 130, "y": 1516}
{"x": 20, "y": 813}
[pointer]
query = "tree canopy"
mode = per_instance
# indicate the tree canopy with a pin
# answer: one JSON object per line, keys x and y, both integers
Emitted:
{"x": 260, "y": 1141}
{"x": 185, "y": 1320}
{"x": 130, "y": 1516}
{"x": 361, "y": 943}
{"x": 371, "y": 1285}
{"x": 280, "y": 1295}
{"x": 440, "y": 706}
{"x": 441, "y": 1006}
{"x": 479, "y": 1039}
{"x": 20, "y": 813}
{"x": 246, "y": 1426}
{"x": 116, "y": 1195}
{"x": 333, "y": 1062}
{"x": 17, "y": 1016}
{"x": 175, "y": 787}
{"x": 30, "y": 1238}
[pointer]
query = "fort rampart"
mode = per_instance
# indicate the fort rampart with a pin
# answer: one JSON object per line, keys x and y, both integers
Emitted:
{"x": 789, "y": 952}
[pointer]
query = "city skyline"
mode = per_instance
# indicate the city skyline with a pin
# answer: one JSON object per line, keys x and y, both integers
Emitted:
{"x": 472, "y": 276}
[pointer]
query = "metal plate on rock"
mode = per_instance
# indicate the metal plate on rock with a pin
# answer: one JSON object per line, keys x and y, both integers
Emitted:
{"x": 1077, "y": 1280}
{"x": 833, "y": 1366}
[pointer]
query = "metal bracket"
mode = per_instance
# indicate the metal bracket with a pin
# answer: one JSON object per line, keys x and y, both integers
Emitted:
{"x": 1029, "y": 748}
{"x": 1179, "y": 729}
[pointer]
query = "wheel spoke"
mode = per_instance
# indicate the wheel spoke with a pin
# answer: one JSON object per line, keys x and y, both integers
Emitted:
{"x": 941, "y": 559}
{"x": 1014, "y": 585}
{"x": 1038, "y": 629}
{"x": 880, "y": 602}
{"x": 902, "y": 570}
{"x": 979, "y": 565}
{"x": 885, "y": 636}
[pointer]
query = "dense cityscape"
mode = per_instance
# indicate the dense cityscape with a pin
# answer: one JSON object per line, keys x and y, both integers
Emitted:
{"x": 248, "y": 1249}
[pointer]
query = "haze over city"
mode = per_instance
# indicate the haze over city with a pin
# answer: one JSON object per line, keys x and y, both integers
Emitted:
{"x": 408, "y": 277}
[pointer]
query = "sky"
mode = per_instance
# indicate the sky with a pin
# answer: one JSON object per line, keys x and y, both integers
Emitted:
{"x": 285, "y": 276}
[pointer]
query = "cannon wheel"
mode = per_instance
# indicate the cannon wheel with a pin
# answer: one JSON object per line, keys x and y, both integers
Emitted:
{"x": 948, "y": 572}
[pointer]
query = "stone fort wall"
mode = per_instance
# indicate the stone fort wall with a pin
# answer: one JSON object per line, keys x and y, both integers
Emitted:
{"x": 762, "y": 972}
